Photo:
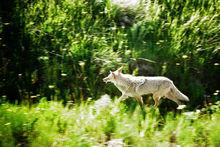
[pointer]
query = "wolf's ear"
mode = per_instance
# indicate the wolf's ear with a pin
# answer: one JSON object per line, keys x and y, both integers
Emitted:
{"x": 114, "y": 76}
{"x": 120, "y": 69}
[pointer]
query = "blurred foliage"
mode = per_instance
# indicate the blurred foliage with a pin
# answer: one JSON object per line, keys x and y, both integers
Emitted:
{"x": 49, "y": 123}
{"x": 61, "y": 50}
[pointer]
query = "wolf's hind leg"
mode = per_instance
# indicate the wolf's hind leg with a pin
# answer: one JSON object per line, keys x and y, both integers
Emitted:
{"x": 170, "y": 96}
{"x": 139, "y": 99}
{"x": 156, "y": 100}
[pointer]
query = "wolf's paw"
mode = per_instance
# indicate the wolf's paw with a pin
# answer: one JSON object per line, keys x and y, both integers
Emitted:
{"x": 180, "y": 107}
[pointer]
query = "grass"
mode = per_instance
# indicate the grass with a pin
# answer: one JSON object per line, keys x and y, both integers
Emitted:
{"x": 70, "y": 45}
{"x": 98, "y": 123}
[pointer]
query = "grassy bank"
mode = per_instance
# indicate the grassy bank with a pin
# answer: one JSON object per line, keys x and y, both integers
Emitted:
{"x": 103, "y": 123}
{"x": 63, "y": 49}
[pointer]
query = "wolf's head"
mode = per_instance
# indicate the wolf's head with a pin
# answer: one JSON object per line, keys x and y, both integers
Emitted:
{"x": 112, "y": 77}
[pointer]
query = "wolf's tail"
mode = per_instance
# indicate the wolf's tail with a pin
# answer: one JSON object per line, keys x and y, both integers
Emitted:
{"x": 179, "y": 95}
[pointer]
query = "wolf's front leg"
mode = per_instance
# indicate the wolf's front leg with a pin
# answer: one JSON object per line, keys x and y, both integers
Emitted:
{"x": 122, "y": 98}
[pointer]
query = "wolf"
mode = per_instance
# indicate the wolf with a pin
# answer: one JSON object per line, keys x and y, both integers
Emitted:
{"x": 136, "y": 86}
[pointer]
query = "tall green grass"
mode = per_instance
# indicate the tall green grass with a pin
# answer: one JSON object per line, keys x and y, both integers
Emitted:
{"x": 97, "y": 123}
{"x": 78, "y": 42}
{"x": 63, "y": 49}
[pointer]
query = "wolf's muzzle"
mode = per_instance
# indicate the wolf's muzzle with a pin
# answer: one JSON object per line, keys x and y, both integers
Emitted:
{"x": 105, "y": 79}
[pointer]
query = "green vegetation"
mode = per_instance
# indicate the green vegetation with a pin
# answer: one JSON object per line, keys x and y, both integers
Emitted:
{"x": 54, "y": 55}
{"x": 89, "y": 124}
{"x": 62, "y": 49}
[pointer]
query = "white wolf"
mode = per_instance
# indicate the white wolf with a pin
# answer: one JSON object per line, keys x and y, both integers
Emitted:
{"x": 136, "y": 86}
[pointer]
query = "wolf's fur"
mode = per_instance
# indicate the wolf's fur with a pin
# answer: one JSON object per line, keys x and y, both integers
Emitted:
{"x": 136, "y": 86}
